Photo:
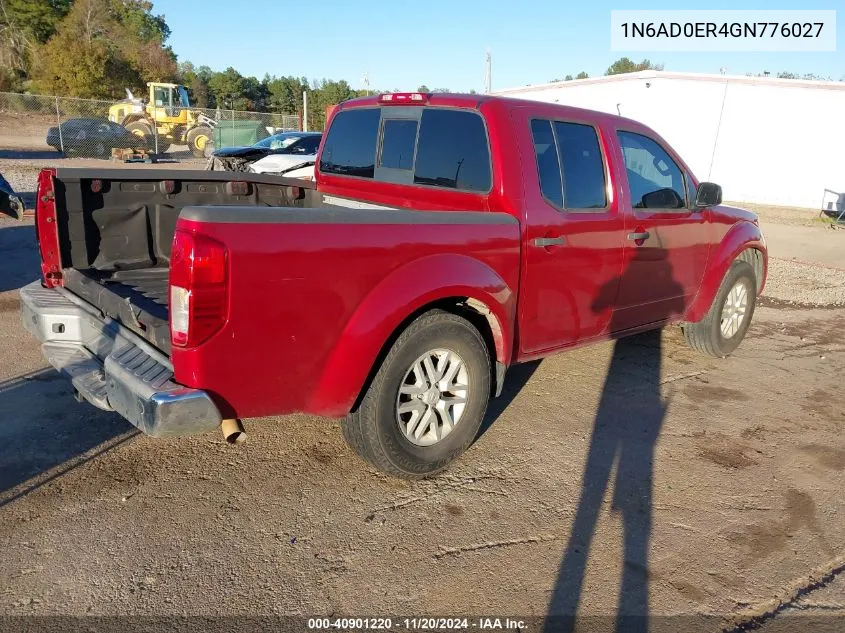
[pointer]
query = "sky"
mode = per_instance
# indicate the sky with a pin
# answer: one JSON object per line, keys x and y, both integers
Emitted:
{"x": 402, "y": 44}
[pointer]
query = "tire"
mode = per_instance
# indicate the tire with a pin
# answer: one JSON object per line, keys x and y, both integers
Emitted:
{"x": 707, "y": 336}
{"x": 143, "y": 130}
{"x": 197, "y": 139}
{"x": 373, "y": 430}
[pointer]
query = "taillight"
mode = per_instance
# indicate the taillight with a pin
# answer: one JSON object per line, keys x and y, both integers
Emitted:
{"x": 47, "y": 230}
{"x": 197, "y": 288}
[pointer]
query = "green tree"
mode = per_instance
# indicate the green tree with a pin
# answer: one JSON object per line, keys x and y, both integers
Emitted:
{"x": 284, "y": 94}
{"x": 228, "y": 88}
{"x": 582, "y": 75}
{"x": 326, "y": 93}
{"x": 103, "y": 46}
{"x": 137, "y": 17}
{"x": 24, "y": 26}
{"x": 626, "y": 65}
{"x": 188, "y": 75}
{"x": 423, "y": 88}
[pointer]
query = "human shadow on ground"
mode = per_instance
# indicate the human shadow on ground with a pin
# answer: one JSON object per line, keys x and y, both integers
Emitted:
{"x": 625, "y": 431}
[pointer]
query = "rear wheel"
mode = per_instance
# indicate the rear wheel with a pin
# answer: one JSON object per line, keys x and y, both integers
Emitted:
{"x": 143, "y": 130}
{"x": 426, "y": 402}
{"x": 724, "y": 326}
{"x": 198, "y": 138}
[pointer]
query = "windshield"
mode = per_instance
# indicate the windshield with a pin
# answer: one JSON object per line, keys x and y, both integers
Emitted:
{"x": 278, "y": 141}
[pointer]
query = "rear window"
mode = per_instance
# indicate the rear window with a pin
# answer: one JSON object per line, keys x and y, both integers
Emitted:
{"x": 423, "y": 146}
{"x": 452, "y": 151}
{"x": 350, "y": 147}
{"x": 399, "y": 137}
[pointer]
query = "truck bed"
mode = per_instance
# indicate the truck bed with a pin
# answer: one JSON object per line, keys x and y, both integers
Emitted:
{"x": 136, "y": 298}
{"x": 116, "y": 228}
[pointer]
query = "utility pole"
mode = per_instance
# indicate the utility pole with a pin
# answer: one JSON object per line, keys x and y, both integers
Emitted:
{"x": 488, "y": 70}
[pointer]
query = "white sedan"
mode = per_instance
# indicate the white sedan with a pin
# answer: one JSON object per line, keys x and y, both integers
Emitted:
{"x": 297, "y": 161}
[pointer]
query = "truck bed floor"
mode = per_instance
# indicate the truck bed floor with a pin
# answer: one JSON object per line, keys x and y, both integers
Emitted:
{"x": 136, "y": 298}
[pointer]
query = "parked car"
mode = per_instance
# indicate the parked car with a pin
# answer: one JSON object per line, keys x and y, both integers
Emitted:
{"x": 11, "y": 204}
{"x": 92, "y": 137}
{"x": 446, "y": 238}
{"x": 288, "y": 144}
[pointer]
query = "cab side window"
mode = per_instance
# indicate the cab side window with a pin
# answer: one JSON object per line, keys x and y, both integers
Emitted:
{"x": 350, "y": 148}
{"x": 654, "y": 180}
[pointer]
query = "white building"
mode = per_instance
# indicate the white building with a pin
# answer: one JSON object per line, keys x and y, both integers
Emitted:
{"x": 765, "y": 140}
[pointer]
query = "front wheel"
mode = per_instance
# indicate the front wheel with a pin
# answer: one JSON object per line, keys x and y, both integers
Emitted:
{"x": 426, "y": 402}
{"x": 198, "y": 139}
{"x": 724, "y": 326}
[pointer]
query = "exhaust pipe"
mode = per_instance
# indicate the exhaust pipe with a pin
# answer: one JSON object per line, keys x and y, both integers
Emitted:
{"x": 233, "y": 431}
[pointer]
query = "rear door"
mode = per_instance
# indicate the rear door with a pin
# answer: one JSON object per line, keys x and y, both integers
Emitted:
{"x": 667, "y": 243}
{"x": 573, "y": 235}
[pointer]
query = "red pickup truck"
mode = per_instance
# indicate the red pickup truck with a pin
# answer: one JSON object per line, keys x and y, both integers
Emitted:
{"x": 447, "y": 237}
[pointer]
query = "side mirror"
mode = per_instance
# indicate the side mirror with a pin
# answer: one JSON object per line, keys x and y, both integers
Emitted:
{"x": 708, "y": 194}
{"x": 666, "y": 198}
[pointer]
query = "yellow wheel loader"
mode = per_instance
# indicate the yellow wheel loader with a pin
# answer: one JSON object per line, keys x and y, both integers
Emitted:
{"x": 165, "y": 119}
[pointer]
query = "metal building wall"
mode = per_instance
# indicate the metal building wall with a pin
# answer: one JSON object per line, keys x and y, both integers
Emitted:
{"x": 764, "y": 140}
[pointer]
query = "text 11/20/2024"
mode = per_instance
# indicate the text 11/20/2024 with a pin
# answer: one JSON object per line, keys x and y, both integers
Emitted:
{"x": 416, "y": 624}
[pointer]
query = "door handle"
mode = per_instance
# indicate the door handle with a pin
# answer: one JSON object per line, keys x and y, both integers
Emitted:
{"x": 642, "y": 235}
{"x": 545, "y": 242}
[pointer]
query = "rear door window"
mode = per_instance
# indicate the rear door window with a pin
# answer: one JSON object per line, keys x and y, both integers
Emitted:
{"x": 570, "y": 165}
{"x": 453, "y": 151}
{"x": 350, "y": 147}
{"x": 548, "y": 166}
{"x": 583, "y": 167}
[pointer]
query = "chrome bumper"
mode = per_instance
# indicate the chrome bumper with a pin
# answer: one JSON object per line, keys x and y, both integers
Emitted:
{"x": 111, "y": 367}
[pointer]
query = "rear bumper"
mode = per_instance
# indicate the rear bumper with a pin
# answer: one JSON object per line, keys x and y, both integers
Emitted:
{"x": 111, "y": 367}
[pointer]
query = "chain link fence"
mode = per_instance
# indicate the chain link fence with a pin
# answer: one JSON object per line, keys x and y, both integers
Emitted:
{"x": 38, "y": 126}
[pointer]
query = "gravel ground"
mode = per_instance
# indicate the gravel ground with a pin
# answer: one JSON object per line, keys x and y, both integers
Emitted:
{"x": 793, "y": 216}
{"x": 708, "y": 486}
{"x": 796, "y": 283}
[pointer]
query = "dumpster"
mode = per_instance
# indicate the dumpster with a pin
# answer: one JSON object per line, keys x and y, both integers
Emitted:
{"x": 238, "y": 133}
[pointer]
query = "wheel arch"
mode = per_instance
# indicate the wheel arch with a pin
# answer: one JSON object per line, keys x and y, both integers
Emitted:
{"x": 745, "y": 242}
{"x": 467, "y": 288}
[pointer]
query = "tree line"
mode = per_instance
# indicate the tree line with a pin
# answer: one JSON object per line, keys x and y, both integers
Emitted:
{"x": 95, "y": 49}
{"x": 620, "y": 66}
{"x": 627, "y": 65}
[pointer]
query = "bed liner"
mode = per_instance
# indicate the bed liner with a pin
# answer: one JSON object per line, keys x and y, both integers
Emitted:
{"x": 136, "y": 298}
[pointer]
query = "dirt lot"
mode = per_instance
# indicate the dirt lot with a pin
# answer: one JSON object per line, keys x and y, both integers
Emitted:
{"x": 634, "y": 477}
